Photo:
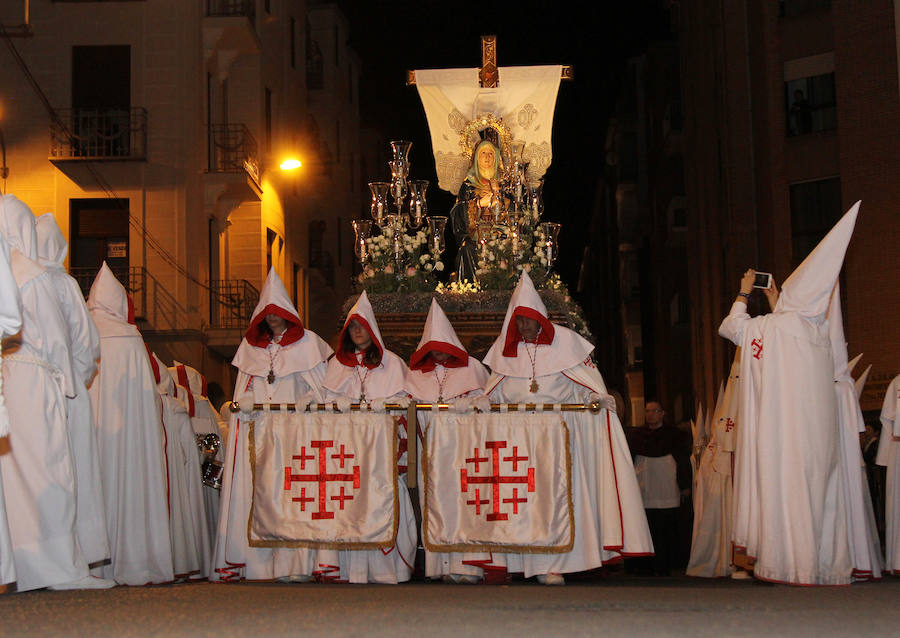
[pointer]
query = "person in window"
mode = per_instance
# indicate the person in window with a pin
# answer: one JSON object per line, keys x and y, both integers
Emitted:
{"x": 801, "y": 114}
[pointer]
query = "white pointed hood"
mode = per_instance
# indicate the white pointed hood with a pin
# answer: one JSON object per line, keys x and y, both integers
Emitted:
{"x": 808, "y": 290}
{"x": 51, "y": 245}
{"x": 860, "y": 383}
{"x": 164, "y": 382}
{"x": 564, "y": 347}
{"x": 363, "y": 313}
{"x": 853, "y": 362}
{"x": 108, "y": 303}
{"x": 301, "y": 349}
{"x": 459, "y": 375}
{"x": 385, "y": 379}
{"x": 17, "y": 224}
{"x": 836, "y": 336}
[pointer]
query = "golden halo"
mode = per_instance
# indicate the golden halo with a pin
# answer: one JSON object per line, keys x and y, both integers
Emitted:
{"x": 469, "y": 136}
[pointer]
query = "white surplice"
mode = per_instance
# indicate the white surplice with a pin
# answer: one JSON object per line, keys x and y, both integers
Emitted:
{"x": 428, "y": 382}
{"x": 346, "y": 377}
{"x": 790, "y": 510}
{"x": 131, "y": 441}
{"x": 10, "y": 324}
{"x": 297, "y": 364}
{"x": 38, "y": 473}
{"x": 610, "y": 521}
{"x": 889, "y": 456}
{"x": 84, "y": 345}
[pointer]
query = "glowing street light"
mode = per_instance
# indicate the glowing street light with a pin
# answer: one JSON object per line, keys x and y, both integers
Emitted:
{"x": 290, "y": 164}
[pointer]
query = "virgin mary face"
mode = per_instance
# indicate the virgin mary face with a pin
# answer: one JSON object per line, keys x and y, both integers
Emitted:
{"x": 485, "y": 161}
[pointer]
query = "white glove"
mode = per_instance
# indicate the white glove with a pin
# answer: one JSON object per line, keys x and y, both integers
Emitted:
{"x": 376, "y": 405}
{"x": 343, "y": 404}
{"x": 607, "y": 401}
{"x": 461, "y": 405}
{"x": 482, "y": 403}
{"x": 245, "y": 401}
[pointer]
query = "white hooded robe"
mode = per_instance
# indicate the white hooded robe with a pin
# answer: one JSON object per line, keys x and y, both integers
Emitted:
{"x": 610, "y": 522}
{"x": 131, "y": 441}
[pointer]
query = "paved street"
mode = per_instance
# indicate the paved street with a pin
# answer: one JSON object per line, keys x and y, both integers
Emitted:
{"x": 613, "y": 606}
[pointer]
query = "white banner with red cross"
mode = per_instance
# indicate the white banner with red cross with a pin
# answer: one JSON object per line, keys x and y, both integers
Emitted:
{"x": 497, "y": 482}
{"x": 324, "y": 480}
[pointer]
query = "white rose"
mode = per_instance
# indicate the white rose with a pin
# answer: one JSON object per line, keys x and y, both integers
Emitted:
{"x": 439, "y": 266}
{"x": 428, "y": 267}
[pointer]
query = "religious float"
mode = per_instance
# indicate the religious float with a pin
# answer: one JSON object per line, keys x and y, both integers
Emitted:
{"x": 539, "y": 481}
{"x": 491, "y": 144}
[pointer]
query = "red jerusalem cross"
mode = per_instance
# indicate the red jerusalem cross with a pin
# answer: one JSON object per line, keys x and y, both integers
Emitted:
{"x": 322, "y": 478}
{"x": 757, "y": 346}
{"x": 495, "y": 480}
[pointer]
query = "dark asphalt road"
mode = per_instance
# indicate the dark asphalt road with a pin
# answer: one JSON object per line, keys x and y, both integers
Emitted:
{"x": 599, "y": 607}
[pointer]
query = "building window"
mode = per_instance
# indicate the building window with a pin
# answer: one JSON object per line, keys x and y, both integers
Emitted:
{"x": 815, "y": 208}
{"x": 337, "y": 141}
{"x": 791, "y": 8}
{"x": 293, "y": 36}
{"x": 809, "y": 94}
{"x": 268, "y": 5}
{"x": 337, "y": 51}
{"x": 270, "y": 248}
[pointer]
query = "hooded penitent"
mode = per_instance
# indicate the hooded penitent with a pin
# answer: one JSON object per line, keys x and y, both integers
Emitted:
{"x": 188, "y": 523}
{"x": 865, "y": 545}
{"x": 349, "y": 375}
{"x": 300, "y": 349}
{"x": 889, "y": 455}
{"x": 131, "y": 441}
{"x": 10, "y": 324}
{"x": 458, "y": 375}
{"x": 84, "y": 343}
{"x": 38, "y": 472}
{"x": 790, "y": 510}
{"x": 271, "y": 369}
{"x": 609, "y": 518}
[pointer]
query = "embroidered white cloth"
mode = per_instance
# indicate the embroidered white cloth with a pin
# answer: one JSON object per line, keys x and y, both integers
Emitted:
{"x": 324, "y": 480}
{"x": 498, "y": 482}
{"x": 525, "y": 99}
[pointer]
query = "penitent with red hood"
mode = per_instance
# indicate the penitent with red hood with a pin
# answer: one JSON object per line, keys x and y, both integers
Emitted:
{"x": 536, "y": 361}
{"x": 362, "y": 369}
{"x": 278, "y": 361}
{"x": 440, "y": 371}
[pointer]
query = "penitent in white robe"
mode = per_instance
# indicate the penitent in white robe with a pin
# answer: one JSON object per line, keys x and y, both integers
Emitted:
{"x": 131, "y": 441}
{"x": 711, "y": 552}
{"x": 10, "y": 324}
{"x": 297, "y": 364}
{"x": 889, "y": 456}
{"x": 430, "y": 382}
{"x": 790, "y": 511}
{"x": 84, "y": 345}
{"x": 385, "y": 381}
{"x": 38, "y": 474}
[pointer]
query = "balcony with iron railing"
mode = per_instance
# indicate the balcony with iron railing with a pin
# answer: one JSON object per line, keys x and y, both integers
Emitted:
{"x": 99, "y": 134}
{"x": 232, "y": 149}
{"x": 231, "y": 303}
{"x": 231, "y": 9}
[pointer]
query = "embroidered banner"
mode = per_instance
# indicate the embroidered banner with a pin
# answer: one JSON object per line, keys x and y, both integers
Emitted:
{"x": 324, "y": 480}
{"x": 497, "y": 482}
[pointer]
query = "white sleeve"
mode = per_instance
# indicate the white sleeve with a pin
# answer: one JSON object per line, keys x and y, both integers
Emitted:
{"x": 732, "y": 327}
{"x": 889, "y": 418}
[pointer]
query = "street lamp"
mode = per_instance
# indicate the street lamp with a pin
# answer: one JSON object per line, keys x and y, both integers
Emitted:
{"x": 290, "y": 164}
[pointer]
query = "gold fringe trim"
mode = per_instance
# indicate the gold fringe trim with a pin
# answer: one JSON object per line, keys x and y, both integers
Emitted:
{"x": 338, "y": 545}
{"x": 497, "y": 547}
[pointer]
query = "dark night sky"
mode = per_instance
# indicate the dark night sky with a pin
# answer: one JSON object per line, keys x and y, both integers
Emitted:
{"x": 595, "y": 37}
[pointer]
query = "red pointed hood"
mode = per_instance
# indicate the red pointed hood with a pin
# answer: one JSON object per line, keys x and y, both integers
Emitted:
{"x": 440, "y": 336}
{"x": 188, "y": 377}
{"x": 363, "y": 314}
{"x": 274, "y": 299}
